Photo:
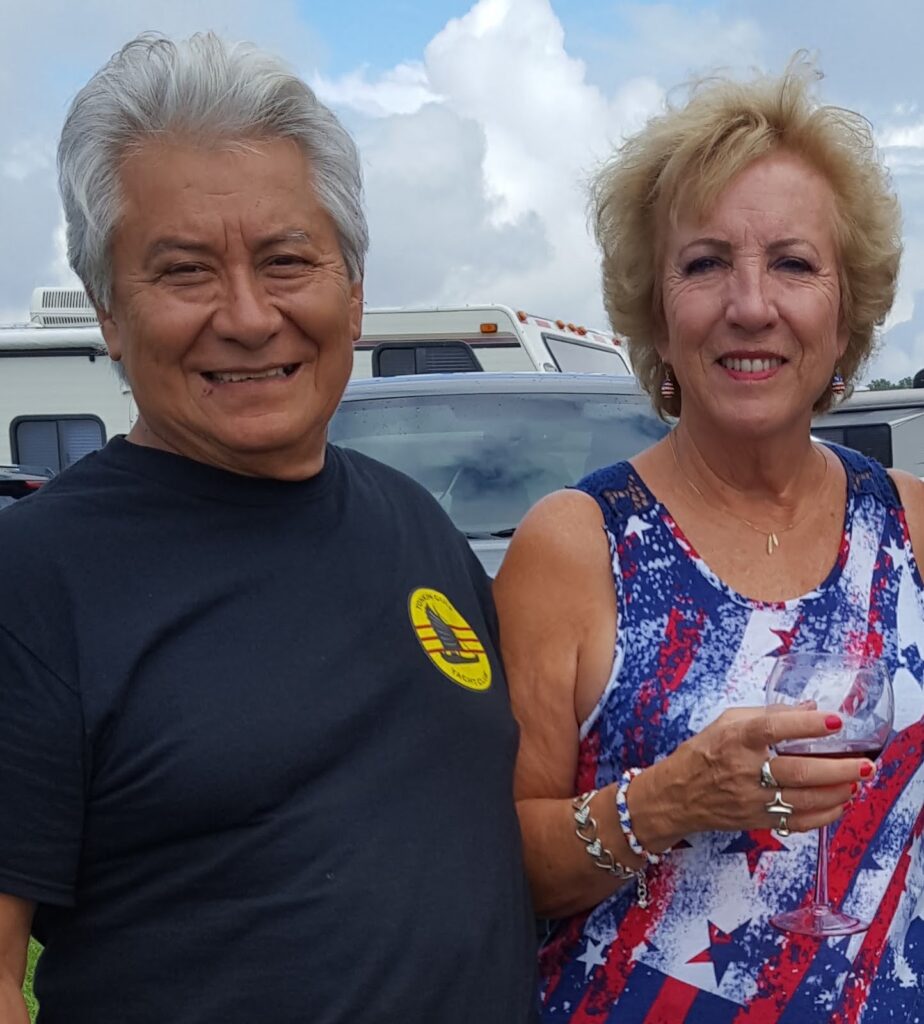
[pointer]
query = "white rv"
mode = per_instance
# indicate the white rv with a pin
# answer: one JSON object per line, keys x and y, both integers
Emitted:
{"x": 497, "y": 338}
{"x": 60, "y": 396}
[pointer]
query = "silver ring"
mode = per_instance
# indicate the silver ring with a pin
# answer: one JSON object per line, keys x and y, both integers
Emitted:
{"x": 766, "y": 777}
{"x": 783, "y": 809}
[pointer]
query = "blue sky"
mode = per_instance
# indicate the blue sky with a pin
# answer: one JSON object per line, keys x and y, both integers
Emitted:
{"x": 479, "y": 122}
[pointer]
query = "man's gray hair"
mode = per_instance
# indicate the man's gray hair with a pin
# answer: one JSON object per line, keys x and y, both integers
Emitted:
{"x": 210, "y": 90}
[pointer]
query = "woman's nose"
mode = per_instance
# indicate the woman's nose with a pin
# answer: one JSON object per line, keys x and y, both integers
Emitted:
{"x": 750, "y": 303}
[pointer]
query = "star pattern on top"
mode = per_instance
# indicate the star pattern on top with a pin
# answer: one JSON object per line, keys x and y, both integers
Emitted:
{"x": 754, "y": 845}
{"x": 724, "y": 949}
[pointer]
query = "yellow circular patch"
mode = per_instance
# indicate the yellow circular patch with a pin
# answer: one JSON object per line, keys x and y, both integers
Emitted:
{"x": 448, "y": 640}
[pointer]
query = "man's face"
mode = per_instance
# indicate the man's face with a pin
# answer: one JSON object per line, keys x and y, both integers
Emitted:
{"x": 231, "y": 308}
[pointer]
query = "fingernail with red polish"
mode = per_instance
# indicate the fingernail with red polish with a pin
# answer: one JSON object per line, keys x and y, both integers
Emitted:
{"x": 833, "y": 722}
{"x": 866, "y": 770}
{"x": 854, "y": 788}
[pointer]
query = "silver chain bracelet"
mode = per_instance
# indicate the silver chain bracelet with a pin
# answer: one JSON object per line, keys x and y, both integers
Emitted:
{"x": 603, "y": 858}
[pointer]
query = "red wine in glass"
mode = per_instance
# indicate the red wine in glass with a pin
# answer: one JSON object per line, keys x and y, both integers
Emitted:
{"x": 859, "y": 691}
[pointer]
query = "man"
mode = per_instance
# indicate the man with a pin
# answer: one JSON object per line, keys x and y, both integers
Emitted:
{"x": 244, "y": 776}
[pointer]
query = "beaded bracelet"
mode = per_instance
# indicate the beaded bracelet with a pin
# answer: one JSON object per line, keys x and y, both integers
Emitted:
{"x": 625, "y": 819}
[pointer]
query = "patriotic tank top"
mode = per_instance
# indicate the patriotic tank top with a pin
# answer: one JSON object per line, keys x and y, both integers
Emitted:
{"x": 689, "y": 647}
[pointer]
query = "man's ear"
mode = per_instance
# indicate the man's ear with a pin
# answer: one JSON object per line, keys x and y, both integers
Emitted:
{"x": 356, "y": 309}
{"x": 110, "y": 329}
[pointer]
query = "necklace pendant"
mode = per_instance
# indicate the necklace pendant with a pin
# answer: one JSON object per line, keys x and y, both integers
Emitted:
{"x": 772, "y": 542}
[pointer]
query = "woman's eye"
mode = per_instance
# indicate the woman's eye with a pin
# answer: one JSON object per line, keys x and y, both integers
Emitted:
{"x": 794, "y": 264}
{"x": 701, "y": 264}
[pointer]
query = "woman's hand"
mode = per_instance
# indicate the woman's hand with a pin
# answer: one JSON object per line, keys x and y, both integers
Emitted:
{"x": 712, "y": 781}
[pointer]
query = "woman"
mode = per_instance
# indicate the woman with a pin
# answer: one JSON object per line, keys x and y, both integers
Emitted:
{"x": 750, "y": 246}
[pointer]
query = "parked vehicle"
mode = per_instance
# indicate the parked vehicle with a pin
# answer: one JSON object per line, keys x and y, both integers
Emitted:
{"x": 20, "y": 481}
{"x": 488, "y": 446}
{"x": 500, "y": 340}
{"x": 61, "y": 398}
{"x": 886, "y": 425}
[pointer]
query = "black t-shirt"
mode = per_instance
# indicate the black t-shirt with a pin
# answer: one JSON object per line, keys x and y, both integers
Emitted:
{"x": 256, "y": 750}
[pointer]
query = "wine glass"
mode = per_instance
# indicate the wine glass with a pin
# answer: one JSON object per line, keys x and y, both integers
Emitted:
{"x": 859, "y": 691}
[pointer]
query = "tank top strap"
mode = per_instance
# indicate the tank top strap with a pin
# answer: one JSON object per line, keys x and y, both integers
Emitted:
{"x": 620, "y": 493}
{"x": 866, "y": 476}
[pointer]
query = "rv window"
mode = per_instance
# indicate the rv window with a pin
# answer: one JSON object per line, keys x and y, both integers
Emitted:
{"x": 55, "y": 443}
{"x": 874, "y": 439}
{"x": 575, "y": 357}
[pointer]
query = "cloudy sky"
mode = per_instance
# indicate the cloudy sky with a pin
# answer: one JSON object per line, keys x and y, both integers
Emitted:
{"x": 478, "y": 122}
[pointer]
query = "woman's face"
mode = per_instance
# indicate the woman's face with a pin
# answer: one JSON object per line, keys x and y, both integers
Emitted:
{"x": 232, "y": 309}
{"x": 752, "y": 303}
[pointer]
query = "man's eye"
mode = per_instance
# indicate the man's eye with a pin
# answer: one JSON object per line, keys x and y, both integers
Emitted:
{"x": 286, "y": 261}
{"x": 184, "y": 269}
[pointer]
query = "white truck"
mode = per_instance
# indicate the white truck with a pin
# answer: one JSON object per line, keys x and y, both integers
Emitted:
{"x": 60, "y": 396}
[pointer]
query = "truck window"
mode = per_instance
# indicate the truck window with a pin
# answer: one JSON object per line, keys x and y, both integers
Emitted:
{"x": 874, "y": 439}
{"x": 579, "y": 357}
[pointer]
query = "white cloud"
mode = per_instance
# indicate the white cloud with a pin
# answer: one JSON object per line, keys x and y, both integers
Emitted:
{"x": 26, "y": 156}
{"x": 477, "y": 150}
{"x": 903, "y": 136}
{"x": 401, "y": 90}
{"x": 476, "y": 158}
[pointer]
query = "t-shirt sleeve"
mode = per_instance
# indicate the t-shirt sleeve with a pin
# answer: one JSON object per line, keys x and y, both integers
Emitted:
{"x": 41, "y": 778}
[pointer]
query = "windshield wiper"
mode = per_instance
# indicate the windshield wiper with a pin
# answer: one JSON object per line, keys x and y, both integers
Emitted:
{"x": 491, "y": 534}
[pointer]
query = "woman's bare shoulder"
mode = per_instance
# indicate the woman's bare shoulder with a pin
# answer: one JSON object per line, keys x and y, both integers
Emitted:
{"x": 558, "y": 537}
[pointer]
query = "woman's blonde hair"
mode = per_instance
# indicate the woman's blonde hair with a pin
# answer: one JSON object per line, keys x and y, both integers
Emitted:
{"x": 683, "y": 159}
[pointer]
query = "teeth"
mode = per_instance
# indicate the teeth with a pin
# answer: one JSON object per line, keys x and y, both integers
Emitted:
{"x": 233, "y": 378}
{"x": 751, "y": 365}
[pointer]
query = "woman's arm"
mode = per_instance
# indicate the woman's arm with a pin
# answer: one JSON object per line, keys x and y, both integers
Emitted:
{"x": 15, "y": 923}
{"x": 556, "y": 602}
{"x": 556, "y": 605}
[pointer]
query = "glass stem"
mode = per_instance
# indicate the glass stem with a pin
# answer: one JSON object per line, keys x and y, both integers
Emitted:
{"x": 821, "y": 871}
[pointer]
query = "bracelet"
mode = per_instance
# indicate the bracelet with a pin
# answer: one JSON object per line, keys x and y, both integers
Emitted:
{"x": 586, "y": 831}
{"x": 625, "y": 819}
{"x": 603, "y": 858}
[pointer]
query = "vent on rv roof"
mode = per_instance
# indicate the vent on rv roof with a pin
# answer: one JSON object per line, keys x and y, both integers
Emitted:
{"x": 61, "y": 307}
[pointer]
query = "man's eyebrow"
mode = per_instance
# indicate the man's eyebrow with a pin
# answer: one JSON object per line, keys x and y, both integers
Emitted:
{"x": 171, "y": 243}
{"x": 290, "y": 235}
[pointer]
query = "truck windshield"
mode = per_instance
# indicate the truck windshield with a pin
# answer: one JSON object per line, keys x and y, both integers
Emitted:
{"x": 488, "y": 457}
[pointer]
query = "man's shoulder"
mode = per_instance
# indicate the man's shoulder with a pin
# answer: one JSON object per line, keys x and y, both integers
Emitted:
{"x": 388, "y": 481}
{"x": 43, "y": 521}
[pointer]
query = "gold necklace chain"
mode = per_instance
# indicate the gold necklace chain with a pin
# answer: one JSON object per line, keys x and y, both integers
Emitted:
{"x": 773, "y": 536}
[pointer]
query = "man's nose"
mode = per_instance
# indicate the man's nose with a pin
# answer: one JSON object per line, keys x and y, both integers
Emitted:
{"x": 246, "y": 313}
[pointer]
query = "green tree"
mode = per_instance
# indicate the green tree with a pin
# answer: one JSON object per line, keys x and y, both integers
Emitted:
{"x": 881, "y": 384}
{"x": 906, "y": 382}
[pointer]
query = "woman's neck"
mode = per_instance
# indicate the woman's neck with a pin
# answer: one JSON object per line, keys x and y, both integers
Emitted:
{"x": 770, "y": 479}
